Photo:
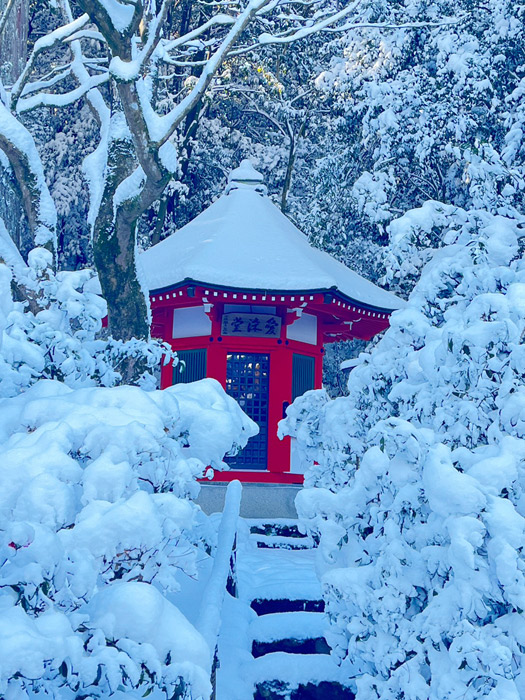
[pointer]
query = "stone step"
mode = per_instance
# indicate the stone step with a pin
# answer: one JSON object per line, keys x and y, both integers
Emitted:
{"x": 277, "y": 528}
{"x": 277, "y": 573}
{"x": 281, "y": 542}
{"x": 295, "y": 670}
{"x": 317, "y": 645}
{"x": 288, "y": 625}
{"x": 266, "y": 606}
{"x": 326, "y": 690}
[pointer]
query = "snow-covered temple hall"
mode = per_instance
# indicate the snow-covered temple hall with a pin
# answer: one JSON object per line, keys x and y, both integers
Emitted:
{"x": 242, "y": 297}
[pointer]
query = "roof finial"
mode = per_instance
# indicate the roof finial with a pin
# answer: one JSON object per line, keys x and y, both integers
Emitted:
{"x": 245, "y": 177}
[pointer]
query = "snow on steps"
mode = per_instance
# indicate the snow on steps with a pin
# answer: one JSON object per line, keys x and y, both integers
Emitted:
{"x": 280, "y": 533}
{"x": 268, "y": 656}
{"x": 280, "y": 542}
{"x": 316, "y": 645}
{"x": 277, "y": 526}
{"x": 295, "y": 671}
{"x": 299, "y": 625}
{"x": 275, "y": 573}
{"x": 294, "y": 633}
{"x": 269, "y": 606}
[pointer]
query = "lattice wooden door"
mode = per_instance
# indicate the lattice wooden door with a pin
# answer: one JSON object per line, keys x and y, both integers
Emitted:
{"x": 248, "y": 381}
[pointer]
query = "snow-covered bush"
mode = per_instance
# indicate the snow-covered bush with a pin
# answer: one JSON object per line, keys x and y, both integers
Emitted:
{"x": 58, "y": 335}
{"x": 95, "y": 529}
{"x": 96, "y": 521}
{"x": 418, "y": 494}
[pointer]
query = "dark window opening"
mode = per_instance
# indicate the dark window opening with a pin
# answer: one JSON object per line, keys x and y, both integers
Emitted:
{"x": 191, "y": 366}
{"x": 303, "y": 374}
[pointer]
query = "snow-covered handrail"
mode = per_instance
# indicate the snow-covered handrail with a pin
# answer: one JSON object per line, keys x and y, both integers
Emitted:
{"x": 209, "y": 620}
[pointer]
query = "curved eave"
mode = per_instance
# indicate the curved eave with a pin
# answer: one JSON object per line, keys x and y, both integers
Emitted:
{"x": 282, "y": 292}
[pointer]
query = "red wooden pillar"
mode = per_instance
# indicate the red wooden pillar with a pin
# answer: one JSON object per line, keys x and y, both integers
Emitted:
{"x": 280, "y": 396}
{"x": 216, "y": 362}
{"x": 318, "y": 370}
{"x": 166, "y": 375}
{"x": 162, "y": 328}
{"x": 216, "y": 356}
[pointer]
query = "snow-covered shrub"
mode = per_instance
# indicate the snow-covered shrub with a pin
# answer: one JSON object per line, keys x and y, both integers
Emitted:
{"x": 95, "y": 529}
{"x": 59, "y": 337}
{"x": 418, "y": 494}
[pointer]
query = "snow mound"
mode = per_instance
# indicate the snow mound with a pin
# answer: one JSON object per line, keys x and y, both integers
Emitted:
{"x": 137, "y": 613}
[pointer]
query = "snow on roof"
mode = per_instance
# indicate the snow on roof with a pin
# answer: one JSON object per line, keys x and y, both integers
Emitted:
{"x": 243, "y": 241}
{"x": 245, "y": 173}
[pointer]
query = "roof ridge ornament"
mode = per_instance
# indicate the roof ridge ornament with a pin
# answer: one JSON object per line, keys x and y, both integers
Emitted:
{"x": 245, "y": 177}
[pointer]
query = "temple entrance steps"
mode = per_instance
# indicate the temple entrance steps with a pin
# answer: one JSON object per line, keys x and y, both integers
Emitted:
{"x": 272, "y": 644}
{"x": 273, "y": 501}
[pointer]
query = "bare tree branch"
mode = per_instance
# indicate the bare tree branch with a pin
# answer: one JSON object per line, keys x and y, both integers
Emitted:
{"x": 43, "y": 44}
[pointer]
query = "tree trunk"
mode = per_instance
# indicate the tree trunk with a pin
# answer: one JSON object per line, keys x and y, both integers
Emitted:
{"x": 19, "y": 147}
{"x": 114, "y": 250}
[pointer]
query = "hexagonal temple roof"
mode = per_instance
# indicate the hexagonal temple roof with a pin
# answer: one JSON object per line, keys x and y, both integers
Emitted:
{"x": 243, "y": 241}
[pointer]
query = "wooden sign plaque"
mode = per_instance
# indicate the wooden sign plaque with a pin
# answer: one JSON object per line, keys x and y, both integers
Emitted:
{"x": 251, "y": 325}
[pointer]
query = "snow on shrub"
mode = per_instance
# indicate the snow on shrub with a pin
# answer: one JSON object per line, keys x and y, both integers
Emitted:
{"x": 58, "y": 336}
{"x": 418, "y": 494}
{"x": 95, "y": 530}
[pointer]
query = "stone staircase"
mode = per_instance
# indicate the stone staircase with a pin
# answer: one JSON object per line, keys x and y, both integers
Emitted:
{"x": 288, "y": 657}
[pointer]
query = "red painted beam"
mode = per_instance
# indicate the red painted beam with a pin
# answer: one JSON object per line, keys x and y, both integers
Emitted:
{"x": 256, "y": 477}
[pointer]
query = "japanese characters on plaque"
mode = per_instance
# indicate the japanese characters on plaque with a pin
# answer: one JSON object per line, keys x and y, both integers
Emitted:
{"x": 254, "y": 325}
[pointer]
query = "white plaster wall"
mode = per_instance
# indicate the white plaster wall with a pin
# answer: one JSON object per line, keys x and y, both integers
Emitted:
{"x": 304, "y": 329}
{"x": 190, "y": 322}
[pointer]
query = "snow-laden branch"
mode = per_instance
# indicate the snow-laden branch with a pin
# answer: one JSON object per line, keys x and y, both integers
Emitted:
{"x": 125, "y": 70}
{"x": 23, "y": 282}
{"x": 449, "y": 21}
{"x": 5, "y": 14}
{"x": 117, "y": 23}
{"x": 86, "y": 34}
{"x": 128, "y": 70}
{"x": 185, "y": 39}
{"x": 94, "y": 165}
{"x": 52, "y": 78}
{"x": 43, "y": 44}
{"x": 282, "y": 3}
{"x": 121, "y": 12}
{"x": 10, "y": 255}
{"x": 326, "y": 25}
{"x": 161, "y": 128}
{"x": 50, "y": 99}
